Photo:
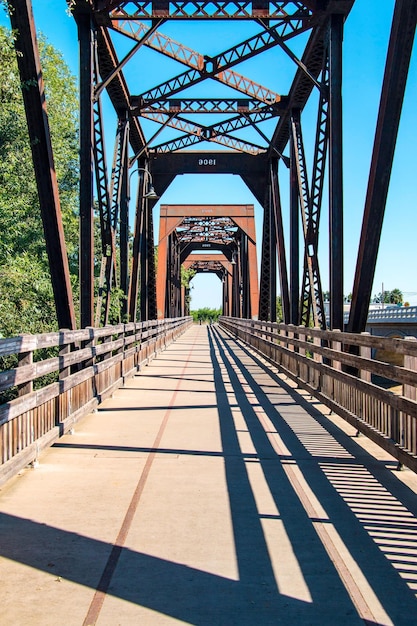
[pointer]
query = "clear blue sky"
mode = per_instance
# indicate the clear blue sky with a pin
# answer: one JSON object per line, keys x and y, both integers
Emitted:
{"x": 365, "y": 44}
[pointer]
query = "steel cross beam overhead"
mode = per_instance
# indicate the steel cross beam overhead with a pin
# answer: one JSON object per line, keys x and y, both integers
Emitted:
{"x": 234, "y": 115}
{"x": 237, "y": 126}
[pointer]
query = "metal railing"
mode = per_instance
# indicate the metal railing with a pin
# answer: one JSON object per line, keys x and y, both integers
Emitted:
{"x": 53, "y": 379}
{"x": 337, "y": 368}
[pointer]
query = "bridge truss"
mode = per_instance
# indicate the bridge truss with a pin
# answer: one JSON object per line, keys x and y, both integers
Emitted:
{"x": 226, "y": 236}
{"x": 172, "y": 124}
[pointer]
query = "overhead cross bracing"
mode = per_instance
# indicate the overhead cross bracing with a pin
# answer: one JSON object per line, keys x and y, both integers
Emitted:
{"x": 216, "y": 106}
{"x": 221, "y": 87}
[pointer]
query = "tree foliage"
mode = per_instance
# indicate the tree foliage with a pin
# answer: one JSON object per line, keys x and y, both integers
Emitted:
{"x": 206, "y": 315}
{"x": 26, "y": 299}
{"x": 389, "y": 297}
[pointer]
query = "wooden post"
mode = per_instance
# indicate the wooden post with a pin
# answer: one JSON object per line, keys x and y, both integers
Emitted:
{"x": 366, "y": 353}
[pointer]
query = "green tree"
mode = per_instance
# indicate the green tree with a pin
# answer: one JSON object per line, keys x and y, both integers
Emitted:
{"x": 26, "y": 299}
{"x": 186, "y": 277}
{"x": 280, "y": 316}
{"x": 206, "y": 314}
{"x": 389, "y": 297}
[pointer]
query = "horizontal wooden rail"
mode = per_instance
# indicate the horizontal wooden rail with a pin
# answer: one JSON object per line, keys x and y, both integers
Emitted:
{"x": 56, "y": 378}
{"x": 341, "y": 370}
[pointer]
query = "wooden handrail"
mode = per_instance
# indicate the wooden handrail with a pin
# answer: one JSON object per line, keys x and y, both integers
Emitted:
{"x": 82, "y": 368}
{"x": 341, "y": 370}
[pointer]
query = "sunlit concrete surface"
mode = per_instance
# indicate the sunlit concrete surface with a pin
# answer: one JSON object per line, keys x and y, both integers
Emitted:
{"x": 209, "y": 491}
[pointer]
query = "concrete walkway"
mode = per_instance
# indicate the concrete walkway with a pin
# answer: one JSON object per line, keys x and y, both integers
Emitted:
{"x": 208, "y": 491}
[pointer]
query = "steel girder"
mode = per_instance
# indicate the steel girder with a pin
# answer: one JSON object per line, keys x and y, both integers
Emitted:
{"x": 248, "y": 49}
{"x": 336, "y": 172}
{"x": 395, "y": 77}
{"x": 108, "y": 223}
{"x": 275, "y": 201}
{"x": 185, "y": 55}
{"x": 290, "y": 11}
{"x": 267, "y": 306}
{"x": 311, "y": 295}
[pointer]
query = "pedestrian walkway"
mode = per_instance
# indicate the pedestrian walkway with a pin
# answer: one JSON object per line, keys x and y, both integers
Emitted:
{"x": 208, "y": 491}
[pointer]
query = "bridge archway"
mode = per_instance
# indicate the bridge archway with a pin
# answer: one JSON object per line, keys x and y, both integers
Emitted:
{"x": 228, "y": 229}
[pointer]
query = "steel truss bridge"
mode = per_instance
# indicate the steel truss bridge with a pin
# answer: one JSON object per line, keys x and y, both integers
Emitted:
{"x": 307, "y": 508}
{"x": 199, "y": 134}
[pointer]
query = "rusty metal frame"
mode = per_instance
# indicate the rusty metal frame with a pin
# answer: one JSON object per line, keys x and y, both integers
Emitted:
{"x": 205, "y": 9}
{"x": 240, "y": 249}
{"x": 318, "y": 68}
{"x": 395, "y": 77}
{"x": 311, "y": 294}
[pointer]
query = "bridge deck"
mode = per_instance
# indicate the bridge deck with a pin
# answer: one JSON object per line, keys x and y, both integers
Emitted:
{"x": 207, "y": 491}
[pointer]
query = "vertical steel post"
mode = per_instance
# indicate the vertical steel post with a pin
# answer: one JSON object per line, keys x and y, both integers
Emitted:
{"x": 279, "y": 229}
{"x": 85, "y": 37}
{"x": 294, "y": 228}
{"x": 144, "y": 270}
{"x": 395, "y": 79}
{"x": 21, "y": 18}
{"x": 151, "y": 265}
{"x": 273, "y": 257}
{"x": 124, "y": 226}
{"x": 336, "y": 172}
{"x": 265, "y": 278}
{"x": 137, "y": 237}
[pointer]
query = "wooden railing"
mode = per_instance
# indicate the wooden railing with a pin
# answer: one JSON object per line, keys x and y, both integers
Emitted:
{"x": 340, "y": 370}
{"x": 59, "y": 377}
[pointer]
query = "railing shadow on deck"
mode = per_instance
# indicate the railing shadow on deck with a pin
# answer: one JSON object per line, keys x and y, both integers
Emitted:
{"x": 86, "y": 367}
{"x": 337, "y": 368}
{"x": 198, "y": 597}
{"x": 378, "y": 529}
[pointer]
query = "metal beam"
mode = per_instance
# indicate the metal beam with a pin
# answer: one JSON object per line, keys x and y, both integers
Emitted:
{"x": 280, "y": 242}
{"x": 175, "y": 50}
{"x": 85, "y": 36}
{"x": 292, "y": 13}
{"x": 249, "y": 48}
{"x": 294, "y": 227}
{"x": 336, "y": 172}
{"x": 137, "y": 239}
{"x": 124, "y": 222}
{"x": 395, "y": 78}
{"x": 193, "y": 106}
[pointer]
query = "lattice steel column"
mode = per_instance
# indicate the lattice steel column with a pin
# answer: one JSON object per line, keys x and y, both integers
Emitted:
{"x": 136, "y": 252}
{"x": 336, "y": 172}
{"x": 279, "y": 230}
{"x": 85, "y": 36}
{"x": 294, "y": 228}
{"x": 266, "y": 261}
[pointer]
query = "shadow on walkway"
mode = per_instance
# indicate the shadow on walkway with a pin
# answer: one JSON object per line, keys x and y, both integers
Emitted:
{"x": 323, "y": 533}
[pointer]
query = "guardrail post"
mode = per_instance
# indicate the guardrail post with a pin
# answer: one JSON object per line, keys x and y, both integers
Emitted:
{"x": 406, "y": 423}
{"x": 337, "y": 347}
{"x": 25, "y": 358}
{"x": 318, "y": 359}
{"x": 63, "y": 351}
{"x": 410, "y": 363}
{"x": 366, "y": 353}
